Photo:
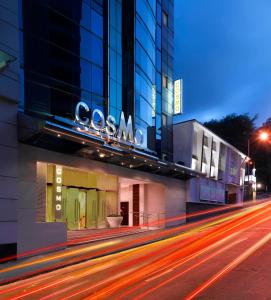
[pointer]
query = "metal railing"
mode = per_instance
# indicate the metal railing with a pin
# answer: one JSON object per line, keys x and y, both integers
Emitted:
{"x": 149, "y": 220}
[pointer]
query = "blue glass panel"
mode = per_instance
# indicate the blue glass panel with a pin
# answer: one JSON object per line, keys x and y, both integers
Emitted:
{"x": 97, "y": 80}
{"x": 96, "y": 23}
{"x": 145, "y": 39}
{"x": 85, "y": 76}
{"x": 96, "y": 50}
{"x": 85, "y": 16}
{"x": 146, "y": 14}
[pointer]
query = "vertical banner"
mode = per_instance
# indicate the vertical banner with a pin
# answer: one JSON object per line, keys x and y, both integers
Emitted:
{"x": 58, "y": 192}
{"x": 153, "y": 101}
{"x": 178, "y": 96}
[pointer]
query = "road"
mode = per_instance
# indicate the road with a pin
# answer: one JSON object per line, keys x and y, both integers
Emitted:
{"x": 225, "y": 257}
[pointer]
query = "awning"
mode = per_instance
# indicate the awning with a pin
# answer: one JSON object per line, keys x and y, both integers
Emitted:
{"x": 56, "y": 136}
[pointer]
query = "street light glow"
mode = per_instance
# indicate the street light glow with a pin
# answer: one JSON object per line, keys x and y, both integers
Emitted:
{"x": 264, "y": 136}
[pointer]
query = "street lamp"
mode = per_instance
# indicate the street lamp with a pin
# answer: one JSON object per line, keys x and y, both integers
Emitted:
{"x": 264, "y": 136}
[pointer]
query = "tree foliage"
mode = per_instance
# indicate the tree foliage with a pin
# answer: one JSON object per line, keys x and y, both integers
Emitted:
{"x": 235, "y": 129}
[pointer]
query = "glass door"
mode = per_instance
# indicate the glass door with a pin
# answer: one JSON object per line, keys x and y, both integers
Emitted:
{"x": 82, "y": 199}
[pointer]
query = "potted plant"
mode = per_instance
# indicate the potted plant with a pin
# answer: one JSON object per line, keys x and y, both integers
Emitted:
{"x": 114, "y": 220}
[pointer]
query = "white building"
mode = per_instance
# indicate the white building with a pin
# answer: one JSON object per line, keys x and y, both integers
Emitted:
{"x": 223, "y": 165}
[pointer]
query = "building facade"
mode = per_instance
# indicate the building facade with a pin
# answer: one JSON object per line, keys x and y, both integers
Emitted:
{"x": 222, "y": 164}
{"x": 87, "y": 104}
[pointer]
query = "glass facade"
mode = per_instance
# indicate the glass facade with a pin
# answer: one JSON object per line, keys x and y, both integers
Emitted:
{"x": 63, "y": 61}
{"x": 114, "y": 55}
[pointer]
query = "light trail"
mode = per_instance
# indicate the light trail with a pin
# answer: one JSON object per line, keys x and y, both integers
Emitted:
{"x": 138, "y": 276}
{"x": 102, "y": 245}
{"x": 230, "y": 266}
{"x": 242, "y": 218}
{"x": 154, "y": 223}
{"x": 172, "y": 278}
{"x": 227, "y": 247}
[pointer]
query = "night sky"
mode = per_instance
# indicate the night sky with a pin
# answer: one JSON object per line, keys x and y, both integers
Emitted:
{"x": 223, "y": 54}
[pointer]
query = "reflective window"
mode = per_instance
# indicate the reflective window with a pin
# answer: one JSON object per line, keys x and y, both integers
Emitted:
{"x": 97, "y": 23}
{"x": 165, "y": 19}
{"x": 97, "y": 80}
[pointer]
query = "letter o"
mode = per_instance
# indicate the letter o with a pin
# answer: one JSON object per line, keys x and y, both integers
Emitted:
{"x": 101, "y": 116}
{"x": 139, "y": 137}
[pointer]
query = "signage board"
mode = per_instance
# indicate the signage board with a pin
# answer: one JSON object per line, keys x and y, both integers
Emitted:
{"x": 58, "y": 192}
{"x": 178, "y": 96}
{"x": 94, "y": 122}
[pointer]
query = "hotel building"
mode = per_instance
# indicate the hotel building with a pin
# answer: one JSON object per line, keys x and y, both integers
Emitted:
{"x": 86, "y": 109}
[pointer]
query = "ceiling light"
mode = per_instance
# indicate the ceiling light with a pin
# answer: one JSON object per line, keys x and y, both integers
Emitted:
{"x": 102, "y": 155}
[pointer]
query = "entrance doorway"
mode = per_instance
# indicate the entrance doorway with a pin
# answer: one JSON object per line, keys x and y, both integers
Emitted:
{"x": 75, "y": 208}
{"x": 124, "y": 208}
{"x": 82, "y": 197}
{"x": 136, "y": 205}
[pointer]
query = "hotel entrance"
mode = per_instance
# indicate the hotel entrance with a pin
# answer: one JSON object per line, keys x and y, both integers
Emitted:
{"x": 83, "y": 199}
{"x": 80, "y": 198}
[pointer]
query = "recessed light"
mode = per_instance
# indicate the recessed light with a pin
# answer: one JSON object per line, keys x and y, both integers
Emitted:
{"x": 134, "y": 157}
{"x": 58, "y": 135}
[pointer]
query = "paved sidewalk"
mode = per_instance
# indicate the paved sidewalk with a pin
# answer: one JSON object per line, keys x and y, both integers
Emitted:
{"x": 78, "y": 237}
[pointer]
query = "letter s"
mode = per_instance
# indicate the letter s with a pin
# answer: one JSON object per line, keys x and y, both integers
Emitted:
{"x": 111, "y": 128}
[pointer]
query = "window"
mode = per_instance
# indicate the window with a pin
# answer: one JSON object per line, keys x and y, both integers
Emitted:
{"x": 165, "y": 19}
{"x": 165, "y": 81}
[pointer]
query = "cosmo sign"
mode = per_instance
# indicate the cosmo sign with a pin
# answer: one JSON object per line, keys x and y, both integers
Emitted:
{"x": 95, "y": 122}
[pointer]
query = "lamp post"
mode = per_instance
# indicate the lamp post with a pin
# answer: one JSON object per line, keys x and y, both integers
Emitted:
{"x": 262, "y": 136}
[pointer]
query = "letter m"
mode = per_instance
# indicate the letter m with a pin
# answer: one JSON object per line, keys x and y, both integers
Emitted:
{"x": 125, "y": 131}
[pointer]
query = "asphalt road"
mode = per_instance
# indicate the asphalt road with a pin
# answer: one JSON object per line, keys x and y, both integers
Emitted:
{"x": 227, "y": 257}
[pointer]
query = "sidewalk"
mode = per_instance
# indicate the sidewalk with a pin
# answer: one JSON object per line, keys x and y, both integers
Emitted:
{"x": 79, "y": 237}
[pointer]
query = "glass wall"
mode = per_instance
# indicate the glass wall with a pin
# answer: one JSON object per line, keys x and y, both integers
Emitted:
{"x": 167, "y": 28}
{"x": 115, "y": 58}
{"x": 63, "y": 59}
{"x": 154, "y": 62}
{"x": 145, "y": 61}
{"x": 79, "y": 198}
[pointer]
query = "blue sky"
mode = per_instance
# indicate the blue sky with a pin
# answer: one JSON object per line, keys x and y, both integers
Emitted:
{"x": 223, "y": 54}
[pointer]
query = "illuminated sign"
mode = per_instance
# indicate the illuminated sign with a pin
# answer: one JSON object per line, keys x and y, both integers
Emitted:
{"x": 178, "y": 96}
{"x": 58, "y": 192}
{"x": 95, "y": 122}
{"x": 153, "y": 101}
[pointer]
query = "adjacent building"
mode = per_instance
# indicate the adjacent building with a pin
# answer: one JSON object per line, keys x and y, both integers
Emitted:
{"x": 223, "y": 165}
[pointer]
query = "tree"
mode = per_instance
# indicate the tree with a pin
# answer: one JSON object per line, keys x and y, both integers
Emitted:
{"x": 235, "y": 129}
